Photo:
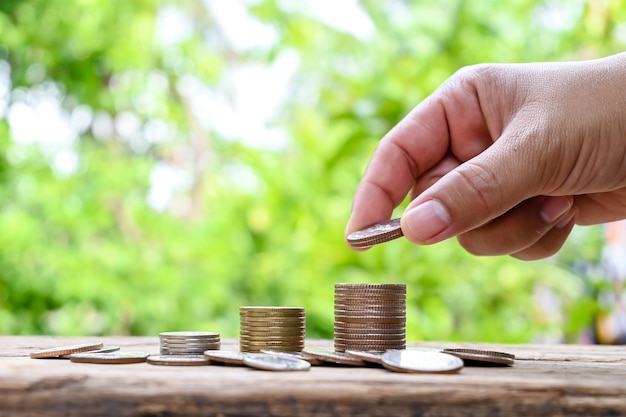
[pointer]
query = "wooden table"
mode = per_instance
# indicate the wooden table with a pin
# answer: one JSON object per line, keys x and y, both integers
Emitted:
{"x": 565, "y": 380}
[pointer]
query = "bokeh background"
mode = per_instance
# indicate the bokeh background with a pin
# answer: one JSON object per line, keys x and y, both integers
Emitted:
{"x": 163, "y": 163}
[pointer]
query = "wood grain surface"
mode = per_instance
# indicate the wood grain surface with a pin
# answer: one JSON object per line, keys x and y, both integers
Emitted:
{"x": 546, "y": 380}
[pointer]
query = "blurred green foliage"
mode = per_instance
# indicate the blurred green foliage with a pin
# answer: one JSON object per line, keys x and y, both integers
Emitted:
{"x": 82, "y": 250}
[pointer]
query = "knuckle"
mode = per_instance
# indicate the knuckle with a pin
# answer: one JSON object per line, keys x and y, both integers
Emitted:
{"x": 478, "y": 192}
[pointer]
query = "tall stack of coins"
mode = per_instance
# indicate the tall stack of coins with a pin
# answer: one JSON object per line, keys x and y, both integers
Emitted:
{"x": 370, "y": 317}
{"x": 188, "y": 343}
{"x": 274, "y": 328}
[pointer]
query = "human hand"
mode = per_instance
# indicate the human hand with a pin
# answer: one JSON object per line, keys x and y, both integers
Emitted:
{"x": 505, "y": 157}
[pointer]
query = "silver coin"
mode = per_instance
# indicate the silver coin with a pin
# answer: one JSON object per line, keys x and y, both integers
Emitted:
{"x": 229, "y": 357}
{"x": 348, "y": 331}
{"x": 334, "y": 357}
{"x": 183, "y": 351}
{"x": 269, "y": 362}
{"x": 372, "y": 356}
{"x": 178, "y": 360}
{"x": 476, "y": 356}
{"x": 421, "y": 361}
{"x": 110, "y": 358}
{"x": 293, "y": 354}
{"x": 360, "y": 286}
{"x": 377, "y": 233}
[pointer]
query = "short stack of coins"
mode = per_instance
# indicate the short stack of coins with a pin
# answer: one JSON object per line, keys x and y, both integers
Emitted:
{"x": 273, "y": 328}
{"x": 188, "y": 343}
{"x": 370, "y": 317}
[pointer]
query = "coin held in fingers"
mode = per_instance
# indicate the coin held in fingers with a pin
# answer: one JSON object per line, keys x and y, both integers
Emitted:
{"x": 376, "y": 234}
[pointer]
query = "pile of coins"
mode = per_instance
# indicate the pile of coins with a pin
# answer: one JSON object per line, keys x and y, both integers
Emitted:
{"x": 370, "y": 317}
{"x": 188, "y": 343}
{"x": 274, "y": 328}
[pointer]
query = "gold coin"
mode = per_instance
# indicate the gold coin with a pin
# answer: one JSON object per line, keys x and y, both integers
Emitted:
{"x": 281, "y": 340}
{"x": 257, "y": 349}
{"x": 65, "y": 350}
{"x": 260, "y": 331}
{"x": 109, "y": 358}
{"x": 270, "y": 344}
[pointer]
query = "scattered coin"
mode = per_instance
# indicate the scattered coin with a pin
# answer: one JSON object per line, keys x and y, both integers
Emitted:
{"x": 421, "y": 361}
{"x": 333, "y": 357}
{"x": 375, "y": 234}
{"x": 57, "y": 352}
{"x": 225, "y": 356}
{"x": 293, "y": 354}
{"x": 104, "y": 349}
{"x": 482, "y": 356}
{"x": 109, "y": 358}
{"x": 270, "y": 362}
{"x": 371, "y": 356}
{"x": 178, "y": 360}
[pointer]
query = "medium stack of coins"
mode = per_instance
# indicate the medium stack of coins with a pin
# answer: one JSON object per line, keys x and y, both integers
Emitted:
{"x": 188, "y": 343}
{"x": 370, "y": 317}
{"x": 274, "y": 328}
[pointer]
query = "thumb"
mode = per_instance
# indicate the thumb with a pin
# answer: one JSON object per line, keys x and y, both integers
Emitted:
{"x": 472, "y": 194}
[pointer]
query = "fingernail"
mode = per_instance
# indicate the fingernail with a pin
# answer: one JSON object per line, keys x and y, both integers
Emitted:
{"x": 565, "y": 221}
{"x": 554, "y": 208}
{"x": 427, "y": 220}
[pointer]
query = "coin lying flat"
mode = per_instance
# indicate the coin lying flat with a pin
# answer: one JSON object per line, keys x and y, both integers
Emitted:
{"x": 294, "y": 354}
{"x": 375, "y": 234}
{"x": 228, "y": 357}
{"x": 366, "y": 287}
{"x": 371, "y": 356}
{"x": 476, "y": 355}
{"x": 333, "y": 357}
{"x": 178, "y": 360}
{"x": 103, "y": 349}
{"x": 269, "y": 362}
{"x": 57, "y": 352}
{"x": 421, "y": 361}
{"x": 109, "y": 358}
